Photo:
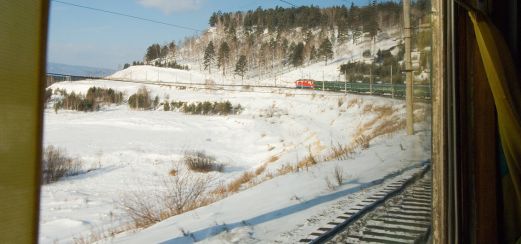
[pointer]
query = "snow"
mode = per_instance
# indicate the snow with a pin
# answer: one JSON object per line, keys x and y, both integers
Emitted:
{"x": 124, "y": 151}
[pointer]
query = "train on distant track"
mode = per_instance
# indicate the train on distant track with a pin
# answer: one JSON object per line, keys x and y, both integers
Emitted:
{"x": 391, "y": 90}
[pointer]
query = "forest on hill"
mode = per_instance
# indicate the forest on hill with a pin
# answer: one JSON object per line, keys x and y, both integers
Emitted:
{"x": 263, "y": 40}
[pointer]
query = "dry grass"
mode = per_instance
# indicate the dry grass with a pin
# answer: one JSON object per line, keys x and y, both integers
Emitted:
{"x": 338, "y": 174}
{"x": 388, "y": 127}
{"x": 352, "y": 102}
{"x": 285, "y": 169}
{"x": 340, "y": 102}
{"x": 260, "y": 169}
{"x": 368, "y": 108}
{"x": 273, "y": 159}
{"x": 220, "y": 191}
{"x": 268, "y": 176}
{"x": 235, "y": 185}
{"x": 382, "y": 112}
{"x": 339, "y": 152}
{"x": 362, "y": 141}
{"x": 309, "y": 160}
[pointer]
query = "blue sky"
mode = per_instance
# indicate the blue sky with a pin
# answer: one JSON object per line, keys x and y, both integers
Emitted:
{"x": 84, "y": 37}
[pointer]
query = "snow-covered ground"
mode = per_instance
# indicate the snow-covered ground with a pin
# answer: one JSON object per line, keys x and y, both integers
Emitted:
{"x": 126, "y": 152}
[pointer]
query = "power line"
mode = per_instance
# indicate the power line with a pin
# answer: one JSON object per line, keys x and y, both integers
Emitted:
{"x": 128, "y": 15}
{"x": 288, "y": 3}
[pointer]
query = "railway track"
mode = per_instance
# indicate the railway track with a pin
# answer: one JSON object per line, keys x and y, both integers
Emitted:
{"x": 400, "y": 213}
{"x": 382, "y": 90}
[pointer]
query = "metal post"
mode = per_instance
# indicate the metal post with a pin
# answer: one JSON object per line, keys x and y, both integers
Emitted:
{"x": 371, "y": 79}
{"x": 408, "y": 66}
{"x": 392, "y": 85}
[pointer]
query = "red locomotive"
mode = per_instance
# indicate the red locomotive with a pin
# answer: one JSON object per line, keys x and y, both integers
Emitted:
{"x": 305, "y": 83}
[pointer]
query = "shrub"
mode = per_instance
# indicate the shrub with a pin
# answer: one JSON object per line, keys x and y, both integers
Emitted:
{"x": 156, "y": 101}
{"x": 183, "y": 192}
{"x": 143, "y": 211}
{"x": 166, "y": 106}
{"x": 141, "y": 99}
{"x": 90, "y": 102}
{"x": 48, "y": 94}
{"x": 367, "y": 53}
{"x": 56, "y": 165}
{"x": 102, "y": 95}
{"x": 207, "y": 108}
{"x": 199, "y": 161}
{"x": 338, "y": 174}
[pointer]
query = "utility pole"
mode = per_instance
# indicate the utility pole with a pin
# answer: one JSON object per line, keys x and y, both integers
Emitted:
{"x": 408, "y": 67}
{"x": 392, "y": 85}
{"x": 371, "y": 78}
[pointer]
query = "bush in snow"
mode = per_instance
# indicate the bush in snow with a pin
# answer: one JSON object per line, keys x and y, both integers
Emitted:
{"x": 56, "y": 165}
{"x": 156, "y": 102}
{"x": 182, "y": 192}
{"x": 48, "y": 94}
{"x": 90, "y": 102}
{"x": 166, "y": 106}
{"x": 140, "y": 100}
{"x": 208, "y": 108}
{"x": 199, "y": 161}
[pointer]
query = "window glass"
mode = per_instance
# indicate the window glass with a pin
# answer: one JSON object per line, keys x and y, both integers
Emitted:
{"x": 237, "y": 121}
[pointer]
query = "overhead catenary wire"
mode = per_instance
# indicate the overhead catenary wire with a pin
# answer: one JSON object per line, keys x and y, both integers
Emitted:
{"x": 286, "y": 2}
{"x": 128, "y": 16}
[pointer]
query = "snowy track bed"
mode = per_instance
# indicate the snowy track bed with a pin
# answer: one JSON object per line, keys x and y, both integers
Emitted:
{"x": 399, "y": 212}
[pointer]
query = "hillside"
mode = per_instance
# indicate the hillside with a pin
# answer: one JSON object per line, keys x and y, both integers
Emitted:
{"x": 277, "y": 41}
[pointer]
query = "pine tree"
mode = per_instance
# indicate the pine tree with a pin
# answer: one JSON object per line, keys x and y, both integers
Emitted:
{"x": 326, "y": 50}
{"x": 209, "y": 57}
{"x": 172, "y": 49}
{"x": 223, "y": 56}
{"x": 312, "y": 53}
{"x": 240, "y": 67}
{"x": 163, "y": 52}
{"x": 213, "y": 19}
{"x": 343, "y": 31}
{"x": 297, "y": 57}
{"x": 153, "y": 52}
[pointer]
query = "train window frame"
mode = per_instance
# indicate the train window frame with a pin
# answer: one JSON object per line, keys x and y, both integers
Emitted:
{"x": 442, "y": 134}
